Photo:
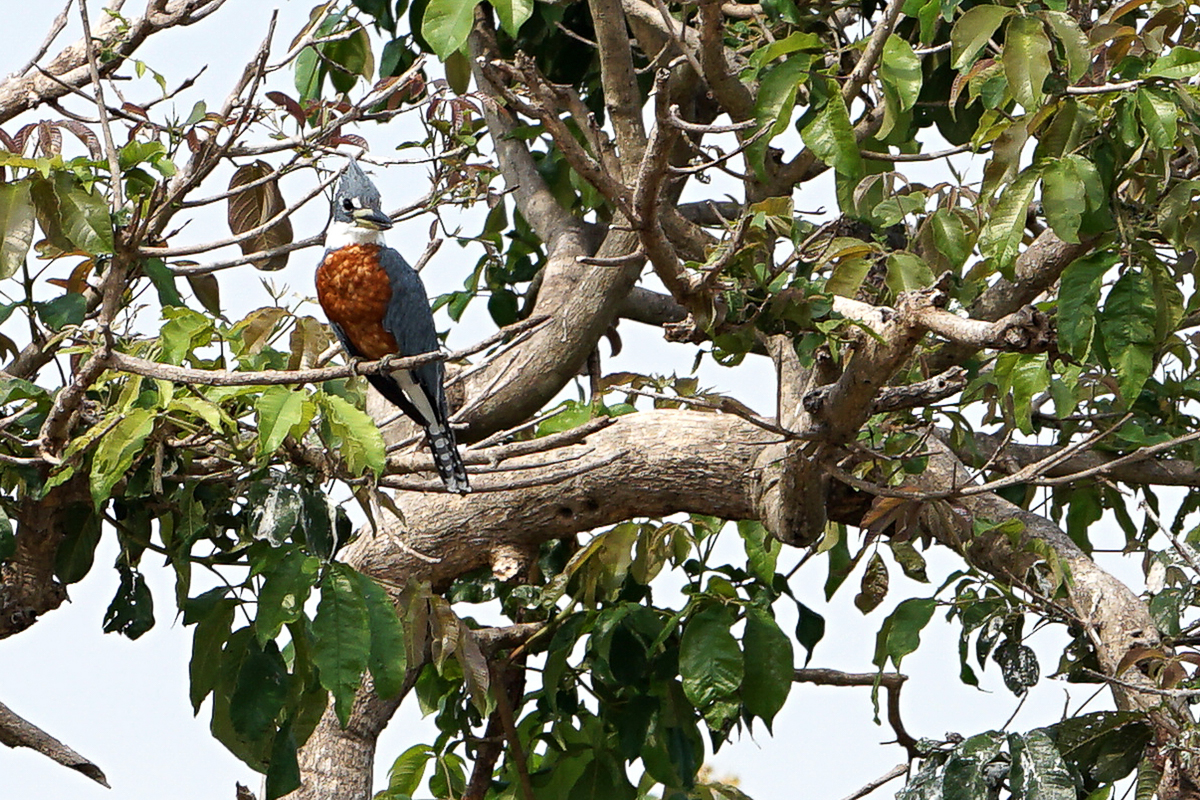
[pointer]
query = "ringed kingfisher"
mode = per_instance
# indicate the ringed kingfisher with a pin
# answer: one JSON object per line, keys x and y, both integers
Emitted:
{"x": 377, "y": 307}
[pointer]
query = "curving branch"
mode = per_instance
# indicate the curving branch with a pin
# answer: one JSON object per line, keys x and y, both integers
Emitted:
{"x": 69, "y": 67}
{"x": 1115, "y": 619}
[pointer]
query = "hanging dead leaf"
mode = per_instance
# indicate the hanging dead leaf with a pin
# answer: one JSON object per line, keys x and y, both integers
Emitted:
{"x": 874, "y": 585}
{"x": 253, "y": 207}
{"x": 207, "y": 291}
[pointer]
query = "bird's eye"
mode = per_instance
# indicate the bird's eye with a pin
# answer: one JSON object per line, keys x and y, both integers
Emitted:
{"x": 348, "y": 204}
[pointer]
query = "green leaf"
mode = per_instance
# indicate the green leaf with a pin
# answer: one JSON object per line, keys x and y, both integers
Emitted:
{"x": 163, "y": 280}
{"x": 132, "y": 609}
{"x": 1127, "y": 325}
{"x": 907, "y": 272}
{"x": 211, "y": 633}
{"x": 602, "y": 779}
{"x": 774, "y": 104}
{"x": 810, "y": 629}
{"x": 951, "y": 237}
{"x": 284, "y": 592}
{"x": 901, "y": 631}
{"x": 1022, "y": 377}
{"x": 1179, "y": 63}
{"x": 341, "y": 637}
{"x": 352, "y": 434}
{"x": 408, "y": 770}
{"x": 831, "y": 138}
{"x": 972, "y": 30}
{"x": 282, "y": 410}
{"x": 353, "y": 54}
{"x": 259, "y": 691}
{"x": 16, "y": 226}
{"x": 283, "y": 773}
{"x": 513, "y": 14}
{"x": 1159, "y": 115}
{"x": 840, "y": 562}
{"x": 571, "y": 416}
{"x": 67, "y": 309}
{"x": 781, "y": 47}
{"x": 964, "y": 777}
{"x": 116, "y": 451}
{"x": 1000, "y": 238}
{"x": 710, "y": 661}
{"x": 388, "y": 660}
{"x": 900, "y": 70}
{"x": 762, "y": 549}
{"x": 1063, "y": 198}
{"x": 1079, "y": 301}
{"x": 446, "y": 25}
{"x": 184, "y": 331}
{"x": 1074, "y": 41}
{"x": 77, "y": 551}
{"x": 1038, "y": 771}
{"x": 84, "y": 215}
{"x": 1102, "y": 747}
{"x": 769, "y": 666}
{"x": 1026, "y": 59}
{"x": 310, "y": 74}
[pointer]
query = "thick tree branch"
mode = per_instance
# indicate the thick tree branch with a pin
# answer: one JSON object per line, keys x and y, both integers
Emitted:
{"x": 70, "y": 66}
{"x": 622, "y": 98}
{"x": 18, "y": 732}
{"x": 1011, "y": 457}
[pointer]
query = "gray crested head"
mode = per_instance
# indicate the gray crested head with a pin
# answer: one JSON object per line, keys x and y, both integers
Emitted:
{"x": 357, "y": 203}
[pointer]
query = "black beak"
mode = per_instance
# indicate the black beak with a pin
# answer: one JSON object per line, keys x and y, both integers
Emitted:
{"x": 371, "y": 218}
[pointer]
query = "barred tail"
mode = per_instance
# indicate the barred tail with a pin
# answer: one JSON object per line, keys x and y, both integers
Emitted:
{"x": 446, "y": 458}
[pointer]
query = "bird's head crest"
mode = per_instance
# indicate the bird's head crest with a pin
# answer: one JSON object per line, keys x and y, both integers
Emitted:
{"x": 357, "y": 201}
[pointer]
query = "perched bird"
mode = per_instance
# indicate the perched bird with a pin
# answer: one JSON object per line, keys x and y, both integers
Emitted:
{"x": 377, "y": 306}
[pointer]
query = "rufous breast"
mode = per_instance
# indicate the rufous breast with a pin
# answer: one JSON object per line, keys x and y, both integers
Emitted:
{"x": 355, "y": 291}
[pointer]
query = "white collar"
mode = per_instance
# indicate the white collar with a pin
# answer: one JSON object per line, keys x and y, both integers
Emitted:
{"x": 343, "y": 234}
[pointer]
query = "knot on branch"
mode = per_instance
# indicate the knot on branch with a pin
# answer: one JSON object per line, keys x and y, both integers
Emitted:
{"x": 793, "y": 492}
{"x": 510, "y": 560}
{"x": 934, "y": 296}
{"x": 686, "y": 331}
{"x": 1027, "y": 331}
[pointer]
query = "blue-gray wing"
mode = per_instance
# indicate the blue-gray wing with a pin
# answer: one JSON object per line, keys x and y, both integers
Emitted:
{"x": 410, "y": 322}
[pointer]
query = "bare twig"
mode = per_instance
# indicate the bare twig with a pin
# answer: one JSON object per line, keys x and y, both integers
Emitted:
{"x": 110, "y": 149}
{"x": 871, "y": 155}
{"x": 890, "y": 775}
{"x": 56, "y": 27}
{"x": 873, "y": 52}
{"x": 221, "y": 377}
{"x": 892, "y": 681}
{"x": 193, "y": 249}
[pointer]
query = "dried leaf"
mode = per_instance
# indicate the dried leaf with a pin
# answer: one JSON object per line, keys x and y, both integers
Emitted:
{"x": 289, "y": 104}
{"x": 252, "y": 208}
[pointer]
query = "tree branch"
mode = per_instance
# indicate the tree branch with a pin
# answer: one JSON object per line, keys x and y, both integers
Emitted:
{"x": 18, "y": 732}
